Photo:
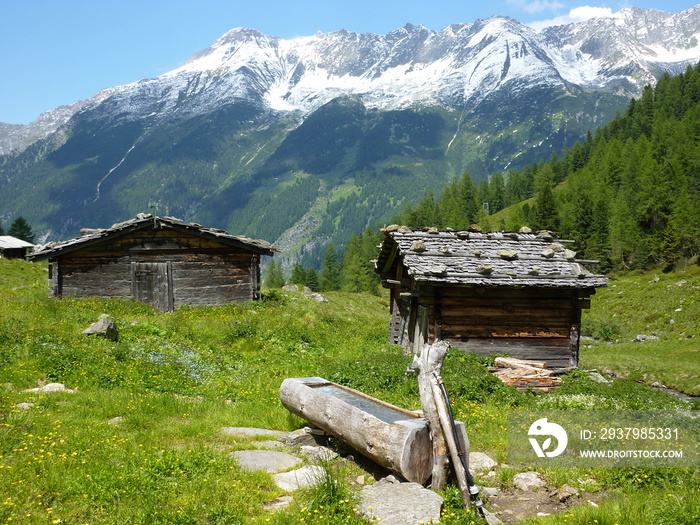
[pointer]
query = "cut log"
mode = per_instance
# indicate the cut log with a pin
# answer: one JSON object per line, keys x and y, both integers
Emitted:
{"x": 393, "y": 437}
{"x": 511, "y": 362}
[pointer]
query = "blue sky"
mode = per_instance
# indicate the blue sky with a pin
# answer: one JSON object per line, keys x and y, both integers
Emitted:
{"x": 56, "y": 52}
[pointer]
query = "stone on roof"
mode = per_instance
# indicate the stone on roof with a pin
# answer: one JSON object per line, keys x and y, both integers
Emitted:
{"x": 473, "y": 257}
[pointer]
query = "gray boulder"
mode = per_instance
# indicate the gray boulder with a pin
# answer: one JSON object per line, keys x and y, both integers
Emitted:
{"x": 105, "y": 327}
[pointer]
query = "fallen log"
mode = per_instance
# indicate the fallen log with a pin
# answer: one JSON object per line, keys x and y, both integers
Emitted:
{"x": 393, "y": 437}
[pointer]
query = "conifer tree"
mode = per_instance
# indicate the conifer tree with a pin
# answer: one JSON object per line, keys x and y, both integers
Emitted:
{"x": 21, "y": 229}
{"x": 330, "y": 271}
{"x": 298, "y": 274}
{"x": 274, "y": 277}
{"x": 312, "y": 280}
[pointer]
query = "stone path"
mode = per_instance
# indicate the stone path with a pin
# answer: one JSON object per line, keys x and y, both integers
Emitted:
{"x": 286, "y": 455}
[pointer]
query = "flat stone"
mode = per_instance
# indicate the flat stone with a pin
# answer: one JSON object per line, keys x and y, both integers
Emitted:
{"x": 567, "y": 492}
{"x": 280, "y": 503}
{"x": 318, "y": 454}
{"x": 24, "y": 405}
{"x": 267, "y": 460}
{"x": 478, "y": 462}
{"x": 116, "y": 420}
{"x": 272, "y": 444}
{"x": 306, "y": 436}
{"x": 316, "y": 297}
{"x": 490, "y": 492}
{"x": 528, "y": 481}
{"x": 51, "y": 387}
{"x": 397, "y": 503}
{"x": 303, "y": 477}
{"x": 251, "y": 432}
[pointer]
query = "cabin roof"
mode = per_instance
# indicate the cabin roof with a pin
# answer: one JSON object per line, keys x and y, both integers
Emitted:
{"x": 144, "y": 221}
{"x": 7, "y": 242}
{"x": 477, "y": 258}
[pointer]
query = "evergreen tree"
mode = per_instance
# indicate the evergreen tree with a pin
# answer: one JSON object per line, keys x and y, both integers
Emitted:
{"x": 357, "y": 269}
{"x": 2, "y": 231}
{"x": 298, "y": 274}
{"x": 497, "y": 193}
{"x": 274, "y": 277}
{"x": 459, "y": 204}
{"x": 20, "y": 228}
{"x": 330, "y": 271}
{"x": 544, "y": 211}
{"x": 312, "y": 280}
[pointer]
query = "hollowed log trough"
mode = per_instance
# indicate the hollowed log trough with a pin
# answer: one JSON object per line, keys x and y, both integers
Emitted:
{"x": 393, "y": 437}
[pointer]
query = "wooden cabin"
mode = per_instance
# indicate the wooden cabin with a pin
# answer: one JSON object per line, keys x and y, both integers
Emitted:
{"x": 14, "y": 248}
{"x": 160, "y": 261}
{"x": 519, "y": 294}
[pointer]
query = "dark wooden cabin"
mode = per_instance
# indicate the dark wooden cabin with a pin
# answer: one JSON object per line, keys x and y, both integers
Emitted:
{"x": 519, "y": 294}
{"x": 160, "y": 261}
{"x": 14, "y": 248}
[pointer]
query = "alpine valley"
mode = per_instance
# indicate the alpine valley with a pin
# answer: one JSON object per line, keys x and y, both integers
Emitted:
{"x": 305, "y": 141}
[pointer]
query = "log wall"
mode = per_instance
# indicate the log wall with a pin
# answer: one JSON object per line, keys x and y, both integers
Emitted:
{"x": 202, "y": 272}
{"x": 538, "y": 324}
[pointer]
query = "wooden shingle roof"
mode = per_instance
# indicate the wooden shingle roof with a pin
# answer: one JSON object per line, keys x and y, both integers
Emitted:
{"x": 484, "y": 259}
{"x": 147, "y": 220}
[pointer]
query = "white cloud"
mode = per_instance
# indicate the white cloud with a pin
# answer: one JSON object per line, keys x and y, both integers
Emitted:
{"x": 578, "y": 14}
{"x": 536, "y": 6}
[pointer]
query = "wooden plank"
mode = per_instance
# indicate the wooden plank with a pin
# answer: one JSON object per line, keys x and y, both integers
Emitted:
{"x": 535, "y": 349}
{"x": 507, "y": 292}
{"x": 514, "y": 332}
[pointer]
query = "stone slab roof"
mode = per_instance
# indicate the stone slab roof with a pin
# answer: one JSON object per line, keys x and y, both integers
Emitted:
{"x": 484, "y": 259}
{"x": 147, "y": 220}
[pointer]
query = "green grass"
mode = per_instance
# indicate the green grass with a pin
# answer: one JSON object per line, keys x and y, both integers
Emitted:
{"x": 653, "y": 303}
{"x": 175, "y": 379}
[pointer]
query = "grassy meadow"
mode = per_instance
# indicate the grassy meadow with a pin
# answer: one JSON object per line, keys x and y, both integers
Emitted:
{"x": 139, "y": 439}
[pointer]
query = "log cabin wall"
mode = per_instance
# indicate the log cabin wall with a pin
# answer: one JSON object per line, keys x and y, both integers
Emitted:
{"x": 199, "y": 271}
{"x": 522, "y": 323}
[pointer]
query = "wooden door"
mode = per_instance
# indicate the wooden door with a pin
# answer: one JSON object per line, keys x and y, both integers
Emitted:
{"x": 152, "y": 284}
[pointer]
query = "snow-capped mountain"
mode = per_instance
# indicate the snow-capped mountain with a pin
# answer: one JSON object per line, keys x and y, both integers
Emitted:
{"x": 254, "y": 116}
{"x": 459, "y": 65}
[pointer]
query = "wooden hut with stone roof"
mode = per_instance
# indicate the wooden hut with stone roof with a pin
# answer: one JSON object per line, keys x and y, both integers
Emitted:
{"x": 519, "y": 294}
{"x": 161, "y": 261}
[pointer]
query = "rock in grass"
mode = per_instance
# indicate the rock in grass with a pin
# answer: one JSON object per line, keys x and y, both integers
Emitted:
{"x": 303, "y": 477}
{"x": 105, "y": 327}
{"x": 399, "y": 503}
{"x": 528, "y": 481}
{"x": 51, "y": 387}
{"x": 267, "y": 460}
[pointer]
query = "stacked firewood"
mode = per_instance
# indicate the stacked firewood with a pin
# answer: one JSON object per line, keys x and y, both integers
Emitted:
{"x": 523, "y": 374}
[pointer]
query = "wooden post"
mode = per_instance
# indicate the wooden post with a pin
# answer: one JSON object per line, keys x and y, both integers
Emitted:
{"x": 430, "y": 360}
{"x": 420, "y": 330}
{"x": 451, "y": 439}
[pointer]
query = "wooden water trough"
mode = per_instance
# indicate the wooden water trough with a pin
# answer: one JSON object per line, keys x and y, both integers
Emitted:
{"x": 393, "y": 437}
